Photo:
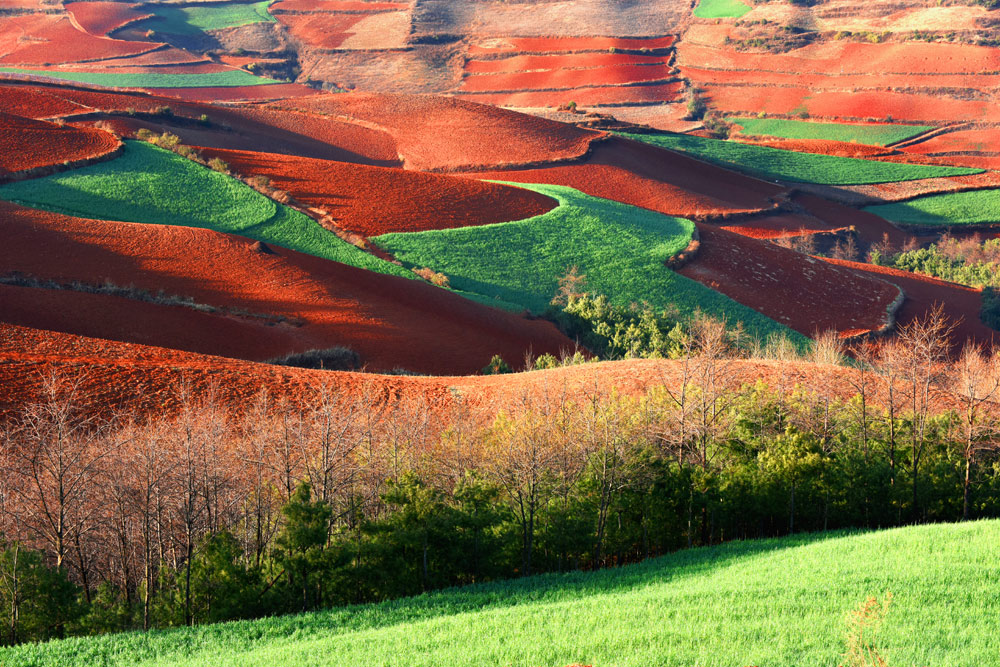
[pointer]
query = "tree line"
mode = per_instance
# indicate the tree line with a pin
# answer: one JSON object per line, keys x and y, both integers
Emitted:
{"x": 215, "y": 513}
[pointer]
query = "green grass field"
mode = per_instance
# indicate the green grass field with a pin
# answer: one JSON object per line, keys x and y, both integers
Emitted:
{"x": 872, "y": 135}
{"x": 776, "y": 164}
{"x": 773, "y": 602}
{"x": 227, "y": 79}
{"x": 721, "y": 9}
{"x": 978, "y": 207}
{"x": 620, "y": 248}
{"x": 195, "y": 19}
{"x": 147, "y": 184}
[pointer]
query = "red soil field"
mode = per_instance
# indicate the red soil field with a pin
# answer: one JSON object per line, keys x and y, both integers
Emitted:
{"x": 335, "y": 6}
{"x": 584, "y": 97}
{"x": 643, "y": 175}
{"x": 797, "y": 290}
{"x": 961, "y": 304}
{"x": 565, "y": 78}
{"x": 168, "y": 56}
{"x": 374, "y": 200}
{"x": 391, "y": 322}
{"x": 446, "y": 134}
{"x": 839, "y": 148}
{"x": 128, "y": 320}
{"x": 558, "y": 61}
{"x": 35, "y": 103}
{"x": 838, "y": 81}
{"x": 780, "y": 226}
{"x": 266, "y": 92}
{"x": 974, "y": 161}
{"x": 870, "y": 227}
{"x": 54, "y": 39}
{"x": 26, "y": 144}
{"x": 556, "y": 44}
{"x": 962, "y": 141}
{"x": 320, "y": 31}
{"x": 126, "y": 66}
{"x": 100, "y": 18}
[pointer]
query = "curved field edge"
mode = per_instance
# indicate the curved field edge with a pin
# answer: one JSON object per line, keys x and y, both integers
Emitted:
{"x": 150, "y": 185}
{"x": 795, "y": 167}
{"x": 975, "y": 207}
{"x": 620, "y": 249}
{"x": 779, "y": 601}
{"x": 228, "y": 79}
{"x": 868, "y": 134}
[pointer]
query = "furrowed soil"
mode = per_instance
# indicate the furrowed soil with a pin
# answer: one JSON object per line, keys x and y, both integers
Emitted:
{"x": 100, "y": 18}
{"x": 27, "y": 144}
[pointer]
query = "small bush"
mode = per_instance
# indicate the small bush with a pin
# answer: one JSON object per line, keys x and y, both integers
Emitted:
{"x": 497, "y": 366}
{"x": 432, "y": 276}
{"x": 219, "y": 165}
{"x": 331, "y": 359}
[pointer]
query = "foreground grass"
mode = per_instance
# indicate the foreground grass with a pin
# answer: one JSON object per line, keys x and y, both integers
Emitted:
{"x": 872, "y": 135}
{"x": 777, "y": 164}
{"x": 720, "y": 9}
{"x": 151, "y": 185}
{"x": 226, "y": 79}
{"x": 773, "y": 602}
{"x": 194, "y": 19}
{"x": 621, "y": 249}
{"x": 977, "y": 207}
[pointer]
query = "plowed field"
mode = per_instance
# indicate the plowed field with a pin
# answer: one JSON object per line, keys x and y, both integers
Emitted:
{"x": 557, "y": 44}
{"x": 35, "y": 103}
{"x": 566, "y": 78}
{"x": 372, "y": 200}
{"x": 100, "y": 18}
{"x": 321, "y": 31}
{"x": 26, "y": 144}
{"x": 583, "y": 96}
{"x": 531, "y": 63}
{"x": 54, "y": 39}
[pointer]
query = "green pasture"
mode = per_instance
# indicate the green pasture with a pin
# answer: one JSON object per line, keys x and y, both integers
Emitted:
{"x": 196, "y": 19}
{"x": 976, "y": 207}
{"x": 872, "y": 135}
{"x": 721, "y": 9}
{"x": 226, "y": 79}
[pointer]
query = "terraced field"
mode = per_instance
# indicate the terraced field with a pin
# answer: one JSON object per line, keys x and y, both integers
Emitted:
{"x": 977, "y": 207}
{"x": 195, "y": 19}
{"x": 225, "y": 78}
{"x": 873, "y": 135}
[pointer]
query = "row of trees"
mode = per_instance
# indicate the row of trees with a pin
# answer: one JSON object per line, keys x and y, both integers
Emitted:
{"x": 213, "y": 514}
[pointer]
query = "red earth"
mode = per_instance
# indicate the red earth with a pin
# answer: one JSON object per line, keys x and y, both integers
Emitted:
{"x": 100, "y": 18}
{"x": 26, "y": 143}
{"x": 391, "y": 322}
{"x": 839, "y": 148}
{"x": 584, "y": 97}
{"x": 794, "y": 289}
{"x": 374, "y": 200}
{"x": 556, "y": 44}
{"x": 447, "y": 134}
{"x": 35, "y": 102}
{"x": 838, "y": 81}
{"x": 558, "y": 61}
{"x": 870, "y": 227}
{"x": 261, "y": 93}
{"x": 321, "y": 31}
{"x": 565, "y": 78}
{"x": 780, "y": 226}
{"x": 54, "y": 39}
{"x": 311, "y": 6}
{"x": 974, "y": 141}
{"x": 961, "y": 304}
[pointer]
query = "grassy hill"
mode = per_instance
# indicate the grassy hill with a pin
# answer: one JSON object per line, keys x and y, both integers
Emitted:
{"x": 770, "y": 602}
{"x": 620, "y": 248}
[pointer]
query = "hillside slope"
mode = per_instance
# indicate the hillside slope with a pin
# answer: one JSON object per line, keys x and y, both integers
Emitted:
{"x": 773, "y": 602}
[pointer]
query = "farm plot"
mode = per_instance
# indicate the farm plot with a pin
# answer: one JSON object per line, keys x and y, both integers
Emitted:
{"x": 150, "y": 79}
{"x": 717, "y": 9}
{"x": 611, "y": 75}
{"x": 777, "y": 164}
{"x": 321, "y": 31}
{"x": 583, "y": 96}
{"x": 54, "y": 39}
{"x": 556, "y": 61}
{"x": 869, "y": 134}
{"x": 568, "y": 44}
{"x": 354, "y": 196}
{"x": 35, "y": 103}
{"x": 621, "y": 250}
{"x": 977, "y": 207}
{"x": 196, "y": 19}
{"x": 150, "y": 185}
{"x": 100, "y": 18}
{"x": 758, "y": 602}
{"x": 27, "y": 144}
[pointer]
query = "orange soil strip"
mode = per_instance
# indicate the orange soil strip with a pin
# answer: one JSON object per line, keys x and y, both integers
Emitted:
{"x": 838, "y": 148}
{"x": 609, "y": 95}
{"x": 160, "y": 57}
{"x": 870, "y": 227}
{"x": 125, "y": 66}
{"x": 565, "y": 78}
{"x": 796, "y": 290}
{"x": 780, "y": 226}
{"x": 961, "y": 304}
{"x": 26, "y": 144}
{"x": 962, "y": 141}
{"x": 441, "y": 133}
{"x": 336, "y": 6}
{"x": 556, "y": 44}
{"x": 54, "y": 39}
{"x": 320, "y": 31}
{"x": 838, "y": 81}
{"x": 35, "y": 103}
{"x": 274, "y": 91}
{"x": 100, "y": 18}
{"x": 373, "y": 200}
{"x": 391, "y": 322}
{"x": 643, "y": 175}
{"x": 558, "y": 61}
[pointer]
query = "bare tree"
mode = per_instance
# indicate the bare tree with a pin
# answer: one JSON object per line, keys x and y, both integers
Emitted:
{"x": 975, "y": 381}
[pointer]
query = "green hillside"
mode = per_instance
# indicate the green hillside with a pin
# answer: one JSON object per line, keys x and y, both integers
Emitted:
{"x": 775, "y": 602}
{"x": 620, "y": 248}
{"x": 151, "y": 185}
{"x": 976, "y": 207}
{"x": 777, "y": 164}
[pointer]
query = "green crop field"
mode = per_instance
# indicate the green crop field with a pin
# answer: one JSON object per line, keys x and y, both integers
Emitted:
{"x": 721, "y": 9}
{"x": 777, "y": 164}
{"x": 872, "y": 135}
{"x": 151, "y": 185}
{"x": 978, "y": 207}
{"x": 195, "y": 19}
{"x": 620, "y": 248}
{"x": 226, "y": 79}
{"x": 771, "y": 602}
